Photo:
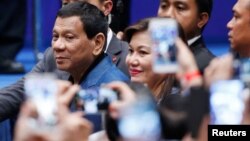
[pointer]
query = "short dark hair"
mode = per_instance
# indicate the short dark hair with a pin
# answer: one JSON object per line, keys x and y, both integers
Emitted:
{"x": 205, "y": 6}
{"x": 93, "y": 20}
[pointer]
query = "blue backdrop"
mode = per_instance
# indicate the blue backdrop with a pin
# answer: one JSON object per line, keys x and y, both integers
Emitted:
{"x": 216, "y": 31}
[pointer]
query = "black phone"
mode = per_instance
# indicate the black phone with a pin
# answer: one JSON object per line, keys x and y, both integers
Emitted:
{"x": 94, "y": 100}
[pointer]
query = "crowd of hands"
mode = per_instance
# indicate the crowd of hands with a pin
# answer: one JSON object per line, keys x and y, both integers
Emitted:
{"x": 71, "y": 126}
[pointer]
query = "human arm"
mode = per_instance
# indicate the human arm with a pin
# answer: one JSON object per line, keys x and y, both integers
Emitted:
{"x": 12, "y": 96}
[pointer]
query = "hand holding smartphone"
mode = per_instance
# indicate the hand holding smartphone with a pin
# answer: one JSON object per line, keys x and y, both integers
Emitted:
{"x": 41, "y": 89}
{"x": 97, "y": 99}
{"x": 164, "y": 32}
{"x": 227, "y": 102}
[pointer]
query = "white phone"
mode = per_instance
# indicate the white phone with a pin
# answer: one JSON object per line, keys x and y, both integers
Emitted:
{"x": 227, "y": 102}
{"x": 41, "y": 89}
{"x": 164, "y": 32}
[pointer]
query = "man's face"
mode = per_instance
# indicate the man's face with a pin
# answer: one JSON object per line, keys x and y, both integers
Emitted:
{"x": 184, "y": 11}
{"x": 72, "y": 49}
{"x": 239, "y": 27}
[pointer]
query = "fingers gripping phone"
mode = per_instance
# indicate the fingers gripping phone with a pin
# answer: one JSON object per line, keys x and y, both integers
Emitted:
{"x": 95, "y": 102}
{"x": 97, "y": 99}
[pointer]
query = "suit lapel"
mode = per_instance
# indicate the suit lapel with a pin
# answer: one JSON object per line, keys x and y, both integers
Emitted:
{"x": 199, "y": 43}
{"x": 114, "y": 49}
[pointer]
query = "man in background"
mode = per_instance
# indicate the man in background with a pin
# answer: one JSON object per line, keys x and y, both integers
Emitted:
{"x": 239, "y": 28}
{"x": 193, "y": 15}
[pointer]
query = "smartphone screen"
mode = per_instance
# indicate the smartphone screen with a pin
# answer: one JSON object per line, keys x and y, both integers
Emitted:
{"x": 95, "y": 100}
{"x": 164, "y": 32}
{"x": 41, "y": 89}
{"x": 227, "y": 102}
{"x": 140, "y": 122}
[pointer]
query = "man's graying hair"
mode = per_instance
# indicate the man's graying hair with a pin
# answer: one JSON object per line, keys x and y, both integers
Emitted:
{"x": 93, "y": 20}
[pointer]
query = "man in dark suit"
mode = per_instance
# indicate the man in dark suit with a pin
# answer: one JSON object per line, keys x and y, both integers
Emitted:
{"x": 115, "y": 48}
{"x": 193, "y": 16}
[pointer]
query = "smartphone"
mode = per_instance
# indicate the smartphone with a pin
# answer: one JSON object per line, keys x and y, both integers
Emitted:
{"x": 41, "y": 89}
{"x": 97, "y": 99}
{"x": 164, "y": 32}
{"x": 227, "y": 102}
{"x": 140, "y": 122}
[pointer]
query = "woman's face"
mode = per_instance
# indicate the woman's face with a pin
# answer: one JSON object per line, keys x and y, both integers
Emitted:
{"x": 139, "y": 59}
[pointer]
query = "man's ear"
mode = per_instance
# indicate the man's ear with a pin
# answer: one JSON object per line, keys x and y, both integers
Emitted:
{"x": 203, "y": 19}
{"x": 99, "y": 42}
{"x": 107, "y": 6}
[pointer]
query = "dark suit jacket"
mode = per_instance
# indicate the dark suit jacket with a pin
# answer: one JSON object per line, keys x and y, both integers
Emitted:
{"x": 118, "y": 51}
{"x": 202, "y": 55}
{"x": 12, "y": 96}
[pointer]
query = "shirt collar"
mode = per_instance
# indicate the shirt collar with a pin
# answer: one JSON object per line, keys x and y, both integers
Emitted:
{"x": 191, "y": 41}
{"x": 109, "y": 37}
{"x": 97, "y": 72}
